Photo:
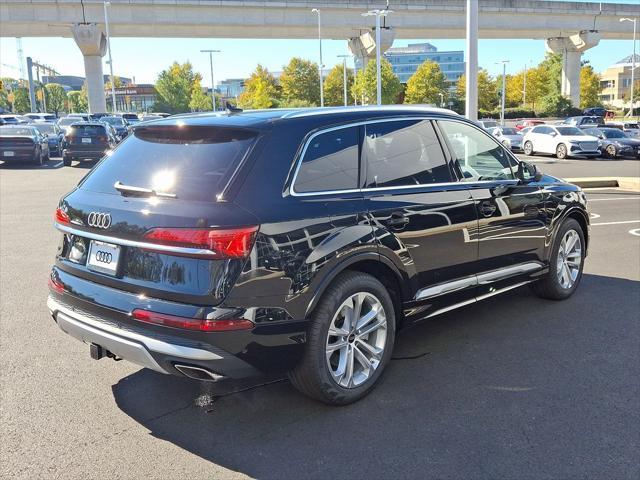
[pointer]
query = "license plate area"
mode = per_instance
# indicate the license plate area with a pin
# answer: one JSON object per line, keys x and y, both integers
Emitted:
{"x": 103, "y": 257}
{"x": 86, "y": 140}
{"x": 8, "y": 153}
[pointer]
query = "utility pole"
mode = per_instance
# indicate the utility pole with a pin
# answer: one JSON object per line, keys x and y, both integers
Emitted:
{"x": 213, "y": 90}
{"x": 378, "y": 14}
{"x": 344, "y": 76}
{"x": 633, "y": 61}
{"x": 113, "y": 86}
{"x": 32, "y": 92}
{"x": 504, "y": 88}
{"x": 471, "y": 92}
{"x": 320, "y": 66}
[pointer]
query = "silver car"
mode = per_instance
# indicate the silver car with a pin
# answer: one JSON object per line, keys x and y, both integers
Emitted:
{"x": 508, "y": 136}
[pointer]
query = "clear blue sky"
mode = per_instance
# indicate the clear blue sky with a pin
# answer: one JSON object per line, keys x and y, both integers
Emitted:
{"x": 144, "y": 58}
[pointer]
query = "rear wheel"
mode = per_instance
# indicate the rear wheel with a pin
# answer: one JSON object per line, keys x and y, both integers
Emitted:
{"x": 528, "y": 148}
{"x": 565, "y": 265}
{"x": 66, "y": 161}
{"x": 611, "y": 151}
{"x": 350, "y": 341}
{"x": 561, "y": 151}
{"x": 38, "y": 158}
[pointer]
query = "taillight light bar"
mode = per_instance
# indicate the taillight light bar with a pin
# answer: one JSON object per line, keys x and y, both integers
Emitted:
{"x": 55, "y": 285}
{"x": 62, "y": 217}
{"x": 202, "y": 325}
{"x": 222, "y": 243}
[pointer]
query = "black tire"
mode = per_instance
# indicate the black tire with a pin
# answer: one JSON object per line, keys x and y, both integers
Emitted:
{"x": 561, "y": 151}
{"x": 66, "y": 161}
{"x": 611, "y": 151}
{"x": 549, "y": 286}
{"x": 39, "y": 158}
{"x": 527, "y": 148}
{"x": 312, "y": 376}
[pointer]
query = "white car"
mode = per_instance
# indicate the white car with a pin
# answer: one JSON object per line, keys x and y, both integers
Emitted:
{"x": 41, "y": 117}
{"x": 561, "y": 141}
{"x": 508, "y": 136}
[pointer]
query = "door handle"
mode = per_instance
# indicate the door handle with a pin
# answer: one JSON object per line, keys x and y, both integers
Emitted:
{"x": 397, "y": 220}
{"x": 487, "y": 208}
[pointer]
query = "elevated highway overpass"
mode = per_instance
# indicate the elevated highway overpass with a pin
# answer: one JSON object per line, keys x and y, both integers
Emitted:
{"x": 531, "y": 19}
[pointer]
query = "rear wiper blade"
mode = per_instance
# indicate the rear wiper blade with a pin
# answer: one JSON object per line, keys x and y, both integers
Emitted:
{"x": 133, "y": 191}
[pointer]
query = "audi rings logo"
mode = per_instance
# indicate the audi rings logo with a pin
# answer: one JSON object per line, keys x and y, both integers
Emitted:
{"x": 99, "y": 220}
{"x": 103, "y": 257}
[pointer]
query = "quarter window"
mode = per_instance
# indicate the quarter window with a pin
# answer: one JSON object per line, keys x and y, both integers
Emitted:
{"x": 402, "y": 153}
{"x": 330, "y": 162}
{"x": 479, "y": 156}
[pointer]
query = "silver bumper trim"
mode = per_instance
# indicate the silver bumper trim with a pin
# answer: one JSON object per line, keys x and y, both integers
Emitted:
{"x": 128, "y": 345}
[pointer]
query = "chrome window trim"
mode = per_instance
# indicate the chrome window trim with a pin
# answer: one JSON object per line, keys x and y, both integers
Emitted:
{"x": 133, "y": 243}
{"x": 401, "y": 187}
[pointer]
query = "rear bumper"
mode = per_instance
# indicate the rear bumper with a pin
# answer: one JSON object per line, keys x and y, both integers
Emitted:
{"x": 76, "y": 153}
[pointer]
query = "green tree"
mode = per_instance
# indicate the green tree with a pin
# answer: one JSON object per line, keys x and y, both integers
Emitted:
{"x": 78, "y": 101}
{"x": 426, "y": 84}
{"x": 551, "y": 68}
{"x": 56, "y": 97}
{"x": 365, "y": 84}
{"x": 589, "y": 87}
{"x": 260, "y": 90}
{"x": 200, "y": 101}
{"x": 21, "y": 103}
{"x": 334, "y": 86}
{"x": 487, "y": 90}
{"x": 300, "y": 80}
{"x": 117, "y": 82}
{"x": 174, "y": 87}
{"x": 555, "y": 104}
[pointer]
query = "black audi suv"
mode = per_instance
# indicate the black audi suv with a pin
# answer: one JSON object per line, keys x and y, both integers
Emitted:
{"x": 301, "y": 241}
{"x": 87, "y": 141}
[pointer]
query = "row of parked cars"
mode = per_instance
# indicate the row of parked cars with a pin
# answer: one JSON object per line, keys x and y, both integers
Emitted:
{"x": 580, "y": 136}
{"x": 37, "y": 136}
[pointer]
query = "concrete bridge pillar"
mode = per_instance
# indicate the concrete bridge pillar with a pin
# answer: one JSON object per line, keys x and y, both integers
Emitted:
{"x": 364, "y": 46}
{"x": 571, "y": 49}
{"x": 92, "y": 44}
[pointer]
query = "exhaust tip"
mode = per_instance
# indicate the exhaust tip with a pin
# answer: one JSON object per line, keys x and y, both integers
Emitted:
{"x": 198, "y": 373}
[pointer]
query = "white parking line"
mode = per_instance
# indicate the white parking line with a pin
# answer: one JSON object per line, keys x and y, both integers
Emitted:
{"x": 593, "y": 215}
{"x": 55, "y": 166}
{"x": 615, "y": 223}
{"x": 612, "y": 199}
{"x": 635, "y": 231}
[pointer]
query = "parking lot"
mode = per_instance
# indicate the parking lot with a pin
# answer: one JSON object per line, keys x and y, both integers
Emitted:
{"x": 513, "y": 388}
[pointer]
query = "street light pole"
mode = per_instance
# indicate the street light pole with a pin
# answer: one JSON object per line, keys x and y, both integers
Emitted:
{"x": 213, "y": 90}
{"x": 320, "y": 66}
{"x": 633, "y": 60}
{"x": 344, "y": 76}
{"x": 504, "y": 88}
{"x": 378, "y": 14}
{"x": 106, "y": 4}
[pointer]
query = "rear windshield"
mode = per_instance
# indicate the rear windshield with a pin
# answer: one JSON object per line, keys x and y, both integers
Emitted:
{"x": 509, "y": 131}
{"x": 45, "y": 128}
{"x": 88, "y": 130}
{"x": 188, "y": 161}
{"x": 113, "y": 121}
{"x": 130, "y": 116}
{"x": 16, "y": 131}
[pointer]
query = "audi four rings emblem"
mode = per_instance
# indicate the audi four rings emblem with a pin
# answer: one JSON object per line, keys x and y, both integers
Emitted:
{"x": 103, "y": 257}
{"x": 99, "y": 220}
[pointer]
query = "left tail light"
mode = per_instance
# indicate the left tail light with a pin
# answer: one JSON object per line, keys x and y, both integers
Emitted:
{"x": 61, "y": 216}
{"x": 222, "y": 243}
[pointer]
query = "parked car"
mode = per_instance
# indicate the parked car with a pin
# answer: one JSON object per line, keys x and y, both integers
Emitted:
{"x": 613, "y": 143}
{"x": 488, "y": 124}
{"x": 85, "y": 117}
{"x": 522, "y": 124}
{"x": 98, "y": 116}
{"x": 41, "y": 117}
{"x": 87, "y": 141}
{"x": 583, "y": 122}
{"x": 595, "y": 111}
{"x": 509, "y": 137}
{"x": 224, "y": 246}
{"x": 119, "y": 125}
{"x": 9, "y": 119}
{"x": 130, "y": 117}
{"x": 54, "y": 134}
{"x": 20, "y": 143}
{"x": 561, "y": 141}
{"x": 631, "y": 129}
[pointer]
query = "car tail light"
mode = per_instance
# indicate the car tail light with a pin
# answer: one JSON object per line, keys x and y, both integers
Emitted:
{"x": 102, "y": 138}
{"x": 55, "y": 285}
{"x": 61, "y": 216}
{"x": 199, "y": 324}
{"x": 223, "y": 243}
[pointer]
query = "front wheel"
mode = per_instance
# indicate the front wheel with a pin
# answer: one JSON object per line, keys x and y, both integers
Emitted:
{"x": 66, "y": 161}
{"x": 561, "y": 151}
{"x": 565, "y": 265}
{"x": 611, "y": 151}
{"x": 528, "y": 148}
{"x": 349, "y": 342}
{"x": 38, "y": 159}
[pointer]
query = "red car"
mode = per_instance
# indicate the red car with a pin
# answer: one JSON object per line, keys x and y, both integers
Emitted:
{"x": 528, "y": 123}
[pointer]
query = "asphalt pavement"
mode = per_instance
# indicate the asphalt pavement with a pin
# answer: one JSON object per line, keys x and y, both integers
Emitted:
{"x": 513, "y": 387}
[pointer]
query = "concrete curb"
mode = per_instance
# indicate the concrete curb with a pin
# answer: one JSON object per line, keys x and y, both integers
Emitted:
{"x": 625, "y": 183}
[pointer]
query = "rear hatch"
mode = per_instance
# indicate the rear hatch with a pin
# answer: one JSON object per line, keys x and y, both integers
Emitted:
{"x": 147, "y": 220}
{"x": 87, "y": 138}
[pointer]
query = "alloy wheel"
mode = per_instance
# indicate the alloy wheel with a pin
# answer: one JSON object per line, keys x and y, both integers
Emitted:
{"x": 356, "y": 340}
{"x": 569, "y": 259}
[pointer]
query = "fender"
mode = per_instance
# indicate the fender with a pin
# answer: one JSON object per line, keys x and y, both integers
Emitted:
{"x": 344, "y": 265}
{"x": 556, "y": 222}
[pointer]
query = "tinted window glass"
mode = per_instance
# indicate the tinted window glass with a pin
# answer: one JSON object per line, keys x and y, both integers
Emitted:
{"x": 88, "y": 130}
{"x": 45, "y": 128}
{"x": 330, "y": 162}
{"x": 614, "y": 133}
{"x": 569, "y": 131}
{"x": 479, "y": 156}
{"x": 403, "y": 153}
{"x": 538, "y": 129}
{"x": 189, "y": 161}
{"x": 17, "y": 131}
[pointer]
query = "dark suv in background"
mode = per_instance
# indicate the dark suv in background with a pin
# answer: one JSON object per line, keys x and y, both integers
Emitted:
{"x": 301, "y": 241}
{"x": 87, "y": 141}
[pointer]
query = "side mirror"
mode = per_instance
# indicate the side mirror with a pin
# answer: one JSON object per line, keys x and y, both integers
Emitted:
{"x": 528, "y": 172}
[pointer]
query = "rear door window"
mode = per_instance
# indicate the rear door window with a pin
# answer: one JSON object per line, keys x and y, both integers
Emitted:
{"x": 188, "y": 161}
{"x": 403, "y": 153}
{"x": 329, "y": 162}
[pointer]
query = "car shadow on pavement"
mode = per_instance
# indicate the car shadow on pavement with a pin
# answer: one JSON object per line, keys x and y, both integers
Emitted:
{"x": 517, "y": 387}
{"x": 51, "y": 164}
